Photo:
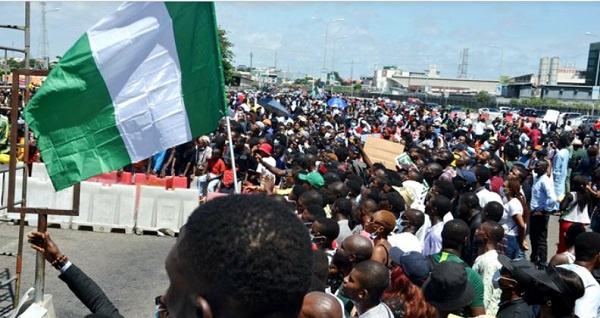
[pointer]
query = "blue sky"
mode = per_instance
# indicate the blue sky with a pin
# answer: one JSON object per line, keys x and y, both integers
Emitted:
{"x": 410, "y": 35}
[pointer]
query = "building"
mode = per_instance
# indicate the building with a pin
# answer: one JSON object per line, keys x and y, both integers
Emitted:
{"x": 592, "y": 76}
{"x": 392, "y": 79}
{"x": 552, "y": 82}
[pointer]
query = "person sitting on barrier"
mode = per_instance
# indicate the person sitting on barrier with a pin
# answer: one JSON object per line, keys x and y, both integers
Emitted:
{"x": 259, "y": 235}
{"x": 211, "y": 176}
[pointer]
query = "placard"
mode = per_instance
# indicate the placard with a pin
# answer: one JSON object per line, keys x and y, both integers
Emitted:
{"x": 384, "y": 151}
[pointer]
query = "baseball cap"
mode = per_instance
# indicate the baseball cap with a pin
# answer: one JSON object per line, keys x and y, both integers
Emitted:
{"x": 414, "y": 264}
{"x": 313, "y": 178}
{"x": 467, "y": 175}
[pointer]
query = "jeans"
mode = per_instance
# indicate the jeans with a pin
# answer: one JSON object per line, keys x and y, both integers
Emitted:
{"x": 538, "y": 234}
{"x": 513, "y": 248}
{"x": 212, "y": 185}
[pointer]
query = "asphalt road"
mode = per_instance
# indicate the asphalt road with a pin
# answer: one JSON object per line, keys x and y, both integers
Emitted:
{"x": 129, "y": 268}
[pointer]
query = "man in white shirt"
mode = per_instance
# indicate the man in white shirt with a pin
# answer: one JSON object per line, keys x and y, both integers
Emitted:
{"x": 489, "y": 234}
{"x": 483, "y": 174}
{"x": 364, "y": 286}
{"x": 587, "y": 257}
{"x": 480, "y": 127}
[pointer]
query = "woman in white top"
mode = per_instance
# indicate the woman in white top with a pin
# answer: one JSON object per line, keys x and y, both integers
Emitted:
{"x": 514, "y": 219}
{"x": 574, "y": 207}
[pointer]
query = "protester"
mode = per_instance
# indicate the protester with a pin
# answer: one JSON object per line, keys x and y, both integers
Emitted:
{"x": 265, "y": 234}
{"x": 364, "y": 286}
{"x": 587, "y": 258}
{"x": 489, "y": 234}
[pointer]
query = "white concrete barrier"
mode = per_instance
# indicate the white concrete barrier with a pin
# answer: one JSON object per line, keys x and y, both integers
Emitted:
{"x": 38, "y": 171}
{"x": 106, "y": 208}
{"x": 159, "y": 208}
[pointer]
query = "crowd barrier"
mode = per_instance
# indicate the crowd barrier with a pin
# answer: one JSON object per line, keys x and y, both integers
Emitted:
{"x": 160, "y": 209}
{"x": 111, "y": 202}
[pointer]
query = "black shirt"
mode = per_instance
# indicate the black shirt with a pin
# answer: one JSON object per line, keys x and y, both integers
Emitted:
{"x": 517, "y": 308}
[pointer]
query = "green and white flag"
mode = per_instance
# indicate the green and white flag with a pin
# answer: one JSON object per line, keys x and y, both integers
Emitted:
{"x": 145, "y": 78}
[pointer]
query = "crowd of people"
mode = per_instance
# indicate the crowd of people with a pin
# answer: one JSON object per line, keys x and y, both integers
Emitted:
{"x": 324, "y": 231}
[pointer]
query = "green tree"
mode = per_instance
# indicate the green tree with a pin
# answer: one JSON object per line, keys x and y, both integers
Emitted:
{"x": 227, "y": 56}
{"x": 515, "y": 101}
{"x": 357, "y": 87}
{"x": 504, "y": 79}
{"x": 482, "y": 97}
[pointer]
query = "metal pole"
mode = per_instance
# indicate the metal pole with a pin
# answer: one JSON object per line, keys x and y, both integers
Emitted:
{"x": 232, "y": 154}
{"x": 325, "y": 49}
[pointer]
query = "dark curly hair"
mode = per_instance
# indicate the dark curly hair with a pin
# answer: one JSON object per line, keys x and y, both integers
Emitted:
{"x": 253, "y": 249}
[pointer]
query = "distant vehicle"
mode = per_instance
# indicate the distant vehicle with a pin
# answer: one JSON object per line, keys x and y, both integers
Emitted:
{"x": 527, "y": 112}
{"x": 568, "y": 117}
{"x": 540, "y": 113}
{"x": 589, "y": 122}
{"x": 416, "y": 101}
{"x": 455, "y": 109}
{"x": 504, "y": 110}
{"x": 490, "y": 111}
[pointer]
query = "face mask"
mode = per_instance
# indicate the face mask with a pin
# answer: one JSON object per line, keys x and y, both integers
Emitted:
{"x": 496, "y": 279}
{"x": 399, "y": 225}
{"x": 502, "y": 192}
{"x": 318, "y": 240}
{"x": 373, "y": 236}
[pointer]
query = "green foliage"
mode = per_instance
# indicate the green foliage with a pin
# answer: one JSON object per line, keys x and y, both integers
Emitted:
{"x": 504, "y": 79}
{"x": 515, "y": 101}
{"x": 482, "y": 97}
{"x": 301, "y": 81}
{"x": 227, "y": 57}
{"x": 358, "y": 87}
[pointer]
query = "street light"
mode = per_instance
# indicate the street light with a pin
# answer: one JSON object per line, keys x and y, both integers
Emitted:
{"x": 327, "y": 24}
{"x": 501, "y": 57}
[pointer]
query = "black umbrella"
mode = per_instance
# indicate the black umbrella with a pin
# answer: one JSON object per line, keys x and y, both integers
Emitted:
{"x": 273, "y": 106}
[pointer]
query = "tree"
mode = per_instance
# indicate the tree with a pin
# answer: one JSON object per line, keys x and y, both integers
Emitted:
{"x": 482, "y": 97}
{"x": 357, "y": 87}
{"x": 504, "y": 80}
{"x": 226, "y": 56}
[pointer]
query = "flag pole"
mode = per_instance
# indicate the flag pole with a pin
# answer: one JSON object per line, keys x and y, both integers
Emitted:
{"x": 232, "y": 154}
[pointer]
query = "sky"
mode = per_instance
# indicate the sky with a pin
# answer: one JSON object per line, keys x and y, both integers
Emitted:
{"x": 409, "y": 35}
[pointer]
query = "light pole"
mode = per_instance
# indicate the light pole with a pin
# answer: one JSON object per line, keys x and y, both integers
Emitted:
{"x": 327, "y": 24}
{"x": 597, "y": 68}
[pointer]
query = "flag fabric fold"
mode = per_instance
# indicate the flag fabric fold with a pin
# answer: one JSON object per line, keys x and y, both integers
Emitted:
{"x": 143, "y": 79}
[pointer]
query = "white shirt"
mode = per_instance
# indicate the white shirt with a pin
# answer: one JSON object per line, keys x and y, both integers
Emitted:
{"x": 486, "y": 265}
{"x": 479, "y": 128}
{"x": 264, "y": 171}
{"x": 407, "y": 242}
{"x": 486, "y": 196}
{"x": 575, "y": 214}
{"x": 433, "y": 239}
{"x": 379, "y": 311}
{"x": 511, "y": 208}
{"x": 589, "y": 304}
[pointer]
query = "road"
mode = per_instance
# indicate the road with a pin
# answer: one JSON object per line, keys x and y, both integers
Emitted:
{"x": 130, "y": 268}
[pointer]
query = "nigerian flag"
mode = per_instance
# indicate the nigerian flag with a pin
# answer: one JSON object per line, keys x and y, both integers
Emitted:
{"x": 145, "y": 78}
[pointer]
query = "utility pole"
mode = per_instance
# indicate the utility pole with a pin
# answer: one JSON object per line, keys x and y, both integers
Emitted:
{"x": 250, "y": 61}
{"x": 275, "y": 59}
{"x": 352, "y": 76}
